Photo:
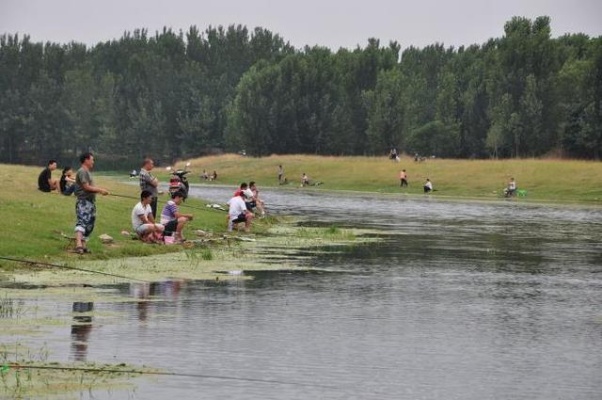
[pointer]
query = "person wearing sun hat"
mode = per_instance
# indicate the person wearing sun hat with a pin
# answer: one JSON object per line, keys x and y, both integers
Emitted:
{"x": 238, "y": 212}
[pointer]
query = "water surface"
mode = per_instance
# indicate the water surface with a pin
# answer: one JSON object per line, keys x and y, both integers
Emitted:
{"x": 456, "y": 301}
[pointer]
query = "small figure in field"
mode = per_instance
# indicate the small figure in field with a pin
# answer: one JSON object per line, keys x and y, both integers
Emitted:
{"x": 45, "y": 181}
{"x": 403, "y": 178}
{"x": 85, "y": 206}
{"x": 67, "y": 183}
{"x": 510, "y": 189}
{"x": 205, "y": 175}
{"x": 238, "y": 212}
{"x": 304, "y": 180}
{"x": 393, "y": 154}
{"x": 213, "y": 176}
{"x": 428, "y": 186}
{"x": 280, "y": 174}
{"x": 143, "y": 222}
{"x": 133, "y": 174}
{"x": 172, "y": 219}
{"x": 149, "y": 183}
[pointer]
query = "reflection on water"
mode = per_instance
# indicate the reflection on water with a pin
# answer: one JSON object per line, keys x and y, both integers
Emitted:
{"x": 147, "y": 291}
{"x": 80, "y": 330}
{"x": 457, "y": 301}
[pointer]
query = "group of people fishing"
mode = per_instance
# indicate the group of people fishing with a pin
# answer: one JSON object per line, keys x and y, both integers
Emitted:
{"x": 170, "y": 225}
{"x": 172, "y": 222}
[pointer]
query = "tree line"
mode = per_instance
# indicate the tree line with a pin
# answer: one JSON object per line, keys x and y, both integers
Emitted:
{"x": 179, "y": 95}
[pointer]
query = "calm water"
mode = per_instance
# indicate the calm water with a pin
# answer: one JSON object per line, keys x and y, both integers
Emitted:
{"x": 457, "y": 301}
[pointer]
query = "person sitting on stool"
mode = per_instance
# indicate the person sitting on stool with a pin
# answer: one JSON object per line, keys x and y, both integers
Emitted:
{"x": 428, "y": 186}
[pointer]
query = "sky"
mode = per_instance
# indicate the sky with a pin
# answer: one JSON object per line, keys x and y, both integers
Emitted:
{"x": 334, "y": 24}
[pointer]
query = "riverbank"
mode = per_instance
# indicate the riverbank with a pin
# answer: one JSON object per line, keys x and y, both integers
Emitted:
{"x": 545, "y": 181}
{"x": 38, "y": 225}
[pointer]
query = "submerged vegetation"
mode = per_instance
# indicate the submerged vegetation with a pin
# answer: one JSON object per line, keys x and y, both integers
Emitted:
{"x": 23, "y": 377}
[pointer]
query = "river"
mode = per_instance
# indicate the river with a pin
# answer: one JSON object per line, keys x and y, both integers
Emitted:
{"x": 457, "y": 300}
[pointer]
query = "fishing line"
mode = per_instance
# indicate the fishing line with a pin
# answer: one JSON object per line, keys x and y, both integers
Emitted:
{"x": 5, "y": 367}
{"x": 21, "y": 260}
{"x": 183, "y": 204}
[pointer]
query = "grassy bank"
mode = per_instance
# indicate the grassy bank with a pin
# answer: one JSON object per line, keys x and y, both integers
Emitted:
{"x": 554, "y": 181}
{"x": 33, "y": 221}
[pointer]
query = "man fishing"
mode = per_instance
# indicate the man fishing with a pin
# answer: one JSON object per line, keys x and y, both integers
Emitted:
{"x": 85, "y": 206}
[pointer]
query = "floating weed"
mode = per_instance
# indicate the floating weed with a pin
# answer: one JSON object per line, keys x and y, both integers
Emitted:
{"x": 330, "y": 233}
{"x": 333, "y": 230}
{"x": 25, "y": 378}
{"x": 207, "y": 254}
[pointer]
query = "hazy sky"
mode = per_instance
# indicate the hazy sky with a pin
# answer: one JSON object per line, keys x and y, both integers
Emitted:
{"x": 336, "y": 23}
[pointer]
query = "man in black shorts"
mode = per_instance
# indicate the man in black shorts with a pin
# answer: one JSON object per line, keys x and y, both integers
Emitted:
{"x": 45, "y": 181}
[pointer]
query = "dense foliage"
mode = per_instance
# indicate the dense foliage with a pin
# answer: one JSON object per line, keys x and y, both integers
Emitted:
{"x": 176, "y": 95}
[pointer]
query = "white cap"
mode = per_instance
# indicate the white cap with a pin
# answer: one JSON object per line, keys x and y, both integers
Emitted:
{"x": 248, "y": 193}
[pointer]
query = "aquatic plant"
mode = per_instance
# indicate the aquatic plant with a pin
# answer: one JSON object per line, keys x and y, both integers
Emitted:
{"x": 9, "y": 308}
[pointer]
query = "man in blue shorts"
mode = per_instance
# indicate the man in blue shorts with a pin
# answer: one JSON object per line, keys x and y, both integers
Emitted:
{"x": 85, "y": 206}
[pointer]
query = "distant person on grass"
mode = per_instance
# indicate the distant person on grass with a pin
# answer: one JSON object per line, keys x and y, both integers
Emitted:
{"x": 403, "y": 178}
{"x": 510, "y": 189}
{"x": 428, "y": 186}
{"x": 143, "y": 222}
{"x": 172, "y": 219}
{"x": 85, "y": 206}
{"x": 304, "y": 180}
{"x": 45, "y": 181}
{"x": 280, "y": 174}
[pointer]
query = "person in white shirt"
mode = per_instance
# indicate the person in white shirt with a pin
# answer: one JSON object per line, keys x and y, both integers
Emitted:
{"x": 511, "y": 188}
{"x": 428, "y": 186}
{"x": 238, "y": 212}
{"x": 143, "y": 222}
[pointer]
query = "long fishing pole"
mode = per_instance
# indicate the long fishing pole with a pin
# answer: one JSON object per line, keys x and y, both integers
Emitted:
{"x": 15, "y": 366}
{"x": 31, "y": 262}
{"x": 181, "y": 204}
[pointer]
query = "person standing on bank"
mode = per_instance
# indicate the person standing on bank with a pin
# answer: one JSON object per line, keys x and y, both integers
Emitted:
{"x": 150, "y": 183}
{"x": 403, "y": 178}
{"x": 85, "y": 206}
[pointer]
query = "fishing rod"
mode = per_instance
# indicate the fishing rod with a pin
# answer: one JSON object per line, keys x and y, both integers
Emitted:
{"x": 31, "y": 262}
{"x": 181, "y": 205}
{"x": 16, "y": 366}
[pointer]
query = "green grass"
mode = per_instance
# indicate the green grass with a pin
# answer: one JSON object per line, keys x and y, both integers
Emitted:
{"x": 546, "y": 180}
{"x": 32, "y": 221}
